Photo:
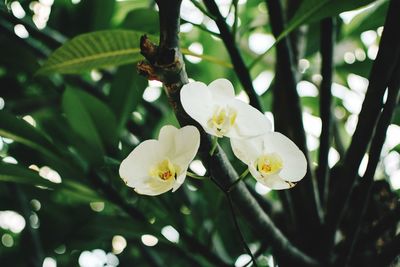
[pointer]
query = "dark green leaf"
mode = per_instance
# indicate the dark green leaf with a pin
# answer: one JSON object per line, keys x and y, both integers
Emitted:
{"x": 92, "y": 120}
{"x": 22, "y": 175}
{"x": 314, "y": 10}
{"x": 142, "y": 19}
{"x": 22, "y": 132}
{"x": 126, "y": 92}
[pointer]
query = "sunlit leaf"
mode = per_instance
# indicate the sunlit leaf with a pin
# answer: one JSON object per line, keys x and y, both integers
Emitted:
{"x": 314, "y": 10}
{"x": 17, "y": 174}
{"x": 94, "y": 50}
{"x": 22, "y": 132}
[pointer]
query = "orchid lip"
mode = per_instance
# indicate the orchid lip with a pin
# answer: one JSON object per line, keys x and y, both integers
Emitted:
{"x": 222, "y": 120}
{"x": 164, "y": 170}
{"x": 269, "y": 164}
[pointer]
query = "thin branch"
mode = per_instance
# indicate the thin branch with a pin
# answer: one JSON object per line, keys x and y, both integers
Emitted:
{"x": 381, "y": 73}
{"x": 235, "y": 221}
{"x": 202, "y": 9}
{"x": 236, "y": 18}
{"x": 202, "y": 27}
{"x": 298, "y": 36}
{"x": 114, "y": 197}
{"x": 327, "y": 45}
{"x": 164, "y": 63}
{"x": 338, "y": 138}
{"x": 240, "y": 68}
{"x": 374, "y": 155}
{"x": 288, "y": 114}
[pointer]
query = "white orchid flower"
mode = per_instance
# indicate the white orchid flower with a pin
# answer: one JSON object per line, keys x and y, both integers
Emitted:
{"x": 157, "y": 166}
{"x": 273, "y": 159}
{"x": 220, "y": 113}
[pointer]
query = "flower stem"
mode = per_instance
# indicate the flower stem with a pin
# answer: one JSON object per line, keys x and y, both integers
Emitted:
{"x": 195, "y": 176}
{"x": 236, "y": 223}
{"x": 241, "y": 177}
{"x": 214, "y": 145}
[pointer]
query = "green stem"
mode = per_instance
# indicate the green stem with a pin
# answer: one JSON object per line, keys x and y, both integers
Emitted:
{"x": 241, "y": 177}
{"x": 195, "y": 176}
{"x": 214, "y": 145}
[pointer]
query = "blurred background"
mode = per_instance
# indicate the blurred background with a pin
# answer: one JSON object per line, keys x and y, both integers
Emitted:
{"x": 64, "y": 134}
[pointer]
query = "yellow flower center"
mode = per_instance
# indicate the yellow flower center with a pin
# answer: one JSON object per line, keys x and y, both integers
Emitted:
{"x": 269, "y": 164}
{"x": 222, "y": 120}
{"x": 165, "y": 170}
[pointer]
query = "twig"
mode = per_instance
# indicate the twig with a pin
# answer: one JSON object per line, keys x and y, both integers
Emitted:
{"x": 327, "y": 45}
{"x": 241, "y": 177}
{"x": 338, "y": 139}
{"x": 195, "y": 176}
{"x": 202, "y": 9}
{"x": 214, "y": 145}
{"x": 201, "y": 27}
{"x": 240, "y": 68}
{"x": 235, "y": 221}
{"x": 236, "y": 18}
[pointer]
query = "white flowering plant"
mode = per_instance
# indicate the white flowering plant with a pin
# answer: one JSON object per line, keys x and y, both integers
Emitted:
{"x": 157, "y": 166}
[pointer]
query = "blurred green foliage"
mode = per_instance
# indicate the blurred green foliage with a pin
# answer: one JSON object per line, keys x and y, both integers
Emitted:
{"x": 92, "y": 108}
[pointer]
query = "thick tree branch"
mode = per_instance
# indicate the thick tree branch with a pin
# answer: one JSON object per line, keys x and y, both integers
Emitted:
{"x": 297, "y": 37}
{"x": 374, "y": 157}
{"x": 381, "y": 73}
{"x": 389, "y": 252}
{"x": 325, "y": 106}
{"x": 240, "y": 68}
{"x": 389, "y": 221}
{"x": 288, "y": 114}
{"x": 173, "y": 75}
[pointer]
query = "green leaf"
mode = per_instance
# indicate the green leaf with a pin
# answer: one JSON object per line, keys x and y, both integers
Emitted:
{"x": 371, "y": 19}
{"x": 22, "y": 132}
{"x": 311, "y": 11}
{"x": 94, "y": 50}
{"x": 126, "y": 92}
{"x": 22, "y": 175}
{"x": 92, "y": 120}
{"x": 142, "y": 19}
{"x": 314, "y": 10}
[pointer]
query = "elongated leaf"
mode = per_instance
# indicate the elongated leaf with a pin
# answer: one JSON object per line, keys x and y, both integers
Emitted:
{"x": 102, "y": 49}
{"x": 22, "y": 175}
{"x": 126, "y": 92}
{"x": 94, "y": 50}
{"x": 314, "y": 10}
{"x": 311, "y": 11}
{"x": 92, "y": 120}
{"x": 82, "y": 123}
{"x": 142, "y": 19}
{"x": 22, "y": 132}
{"x": 371, "y": 19}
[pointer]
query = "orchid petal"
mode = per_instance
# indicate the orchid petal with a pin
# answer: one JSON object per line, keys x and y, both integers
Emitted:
{"x": 197, "y": 101}
{"x": 291, "y": 155}
{"x": 222, "y": 90}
